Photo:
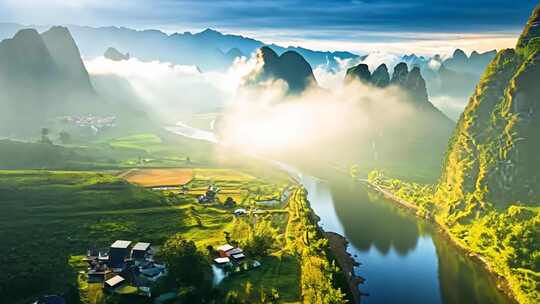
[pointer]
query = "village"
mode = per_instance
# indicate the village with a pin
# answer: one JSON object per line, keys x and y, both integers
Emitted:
{"x": 134, "y": 269}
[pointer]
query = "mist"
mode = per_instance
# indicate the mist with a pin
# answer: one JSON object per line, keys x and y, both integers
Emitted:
{"x": 332, "y": 119}
{"x": 165, "y": 89}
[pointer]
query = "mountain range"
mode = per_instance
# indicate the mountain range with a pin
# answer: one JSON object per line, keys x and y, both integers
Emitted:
{"x": 209, "y": 49}
{"x": 420, "y": 124}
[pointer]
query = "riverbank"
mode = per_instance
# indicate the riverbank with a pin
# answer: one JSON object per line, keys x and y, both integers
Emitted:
{"x": 338, "y": 245}
{"x": 502, "y": 283}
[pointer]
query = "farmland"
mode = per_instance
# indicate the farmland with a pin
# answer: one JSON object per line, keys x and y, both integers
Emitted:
{"x": 49, "y": 216}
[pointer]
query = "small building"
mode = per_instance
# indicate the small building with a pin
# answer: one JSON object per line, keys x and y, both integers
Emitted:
{"x": 238, "y": 256}
{"x": 240, "y": 211}
{"x": 222, "y": 250}
{"x": 118, "y": 252}
{"x": 222, "y": 261}
{"x": 153, "y": 273}
{"x": 234, "y": 251}
{"x": 113, "y": 283}
{"x": 98, "y": 274}
{"x": 140, "y": 250}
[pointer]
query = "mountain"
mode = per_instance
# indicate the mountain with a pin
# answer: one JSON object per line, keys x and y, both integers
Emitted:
{"x": 115, "y": 55}
{"x": 43, "y": 77}
{"x": 67, "y": 58}
{"x": 209, "y": 49}
{"x": 410, "y": 82}
{"x": 475, "y": 64}
{"x": 401, "y": 132}
{"x": 493, "y": 154}
{"x": 290, "y": 67}
{"x": 456, "y": 76}
{"x": 29, "y": 78}
{"x": 359, "y": 72}
{"x": 380, "y": 77}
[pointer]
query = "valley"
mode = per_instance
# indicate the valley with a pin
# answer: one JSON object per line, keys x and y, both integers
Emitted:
{"x": 278, "y": 152}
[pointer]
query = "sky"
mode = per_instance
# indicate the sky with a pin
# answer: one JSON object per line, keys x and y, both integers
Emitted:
{"x": 361, "y": 26}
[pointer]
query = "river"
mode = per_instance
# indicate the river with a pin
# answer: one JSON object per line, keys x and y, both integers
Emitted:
{"x": 403, "y": 258}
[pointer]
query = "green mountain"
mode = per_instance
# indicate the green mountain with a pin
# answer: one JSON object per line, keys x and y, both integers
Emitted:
{"x": 401, "y": 136}
{"x": 290, "y": 67}
{"x": 493, "y": 155}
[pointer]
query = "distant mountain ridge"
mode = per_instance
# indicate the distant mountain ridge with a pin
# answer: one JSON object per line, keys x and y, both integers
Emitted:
{"x": 209, "y": 49}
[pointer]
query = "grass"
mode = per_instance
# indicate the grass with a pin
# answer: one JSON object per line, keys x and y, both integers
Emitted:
{"x": 280, "y": 273}
{"x": 47, "y": 217}
{"x": 137, "y": 150}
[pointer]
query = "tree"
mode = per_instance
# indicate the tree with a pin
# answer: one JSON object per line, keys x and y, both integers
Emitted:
{"x": 259, "y": 245}
{"x": 187, "y": 267}
{"x": 64, "y": 137}
{"x": 45, "y": 136}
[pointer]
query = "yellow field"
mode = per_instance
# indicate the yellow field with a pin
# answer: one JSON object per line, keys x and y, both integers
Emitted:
{"x": 181, "y": 176}
{"x": 228, "y": 175}
{"x": 159, "y": 177}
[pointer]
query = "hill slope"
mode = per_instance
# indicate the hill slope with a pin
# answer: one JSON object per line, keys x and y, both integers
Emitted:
{"x": 493, "y": 155}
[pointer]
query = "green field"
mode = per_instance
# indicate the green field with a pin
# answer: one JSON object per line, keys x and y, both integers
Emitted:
{"x": 49, "y": 216}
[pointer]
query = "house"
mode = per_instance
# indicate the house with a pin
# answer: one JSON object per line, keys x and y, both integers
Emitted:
{"x": 114, "y": 283}
{"x": 140, "y": 250}
{"x": 98, "y": 273}
{"x": 222, "y": 261}
{"x": 240, "y": 211}
{"x": 236, "y": 254}
{"x": 209, "y": 196}
{"x": 153, "y": 273}
{"x": 222, "y": 250}
{"x": 118, "y": 252}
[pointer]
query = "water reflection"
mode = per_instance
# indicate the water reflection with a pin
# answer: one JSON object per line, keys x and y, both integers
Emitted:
{"x": 404, "y": 259}
{"x": 462, "y": 279}
{"x": 388, "y": 228}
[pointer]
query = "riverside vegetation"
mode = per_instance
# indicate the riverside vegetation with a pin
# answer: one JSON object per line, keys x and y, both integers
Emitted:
{"x": 488, "y": 196}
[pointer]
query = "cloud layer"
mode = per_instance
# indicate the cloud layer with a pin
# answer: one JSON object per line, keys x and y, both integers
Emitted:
{"x": 419, "y": 26}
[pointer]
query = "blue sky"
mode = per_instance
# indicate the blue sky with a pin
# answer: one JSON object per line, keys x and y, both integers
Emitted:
{"x": 356, "y": 25}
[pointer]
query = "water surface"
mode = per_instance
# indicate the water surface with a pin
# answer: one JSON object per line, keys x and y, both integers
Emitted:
{"x": 403, "y": 258}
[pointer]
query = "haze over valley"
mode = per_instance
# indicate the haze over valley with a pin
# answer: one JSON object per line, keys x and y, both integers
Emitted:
{"x": 347, "y": 156}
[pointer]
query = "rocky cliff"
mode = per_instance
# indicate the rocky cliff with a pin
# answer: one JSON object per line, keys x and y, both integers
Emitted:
{"x": 493, "y": 155}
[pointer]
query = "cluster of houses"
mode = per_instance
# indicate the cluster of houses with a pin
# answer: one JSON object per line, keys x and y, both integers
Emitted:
{"x": 233, "y": 260}
{"x": 125, "y": 268}
{"x": 209, "y": 196}
{"x": 95, "y": 123}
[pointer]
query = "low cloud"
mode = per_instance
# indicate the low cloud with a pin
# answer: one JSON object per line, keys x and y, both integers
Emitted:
{"x": 169, "y": 90}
